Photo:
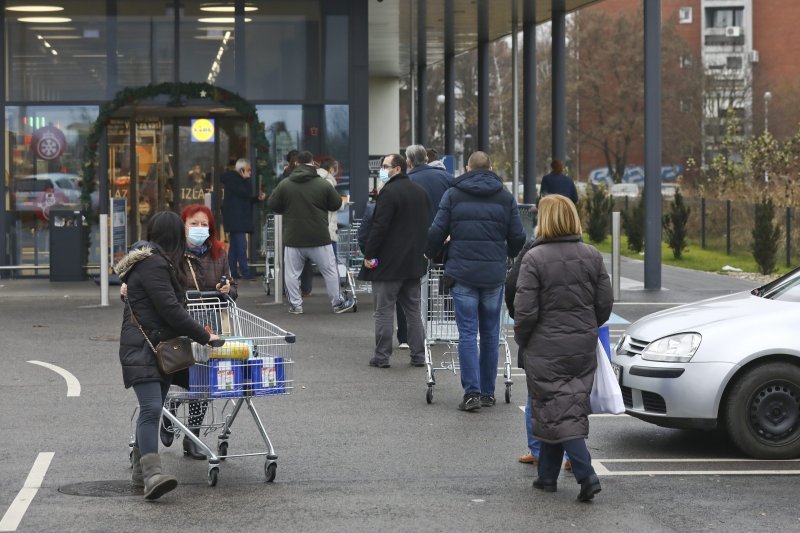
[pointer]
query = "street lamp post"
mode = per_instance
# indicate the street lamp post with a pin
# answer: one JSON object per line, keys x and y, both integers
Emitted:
{"x": 767, "y": 98}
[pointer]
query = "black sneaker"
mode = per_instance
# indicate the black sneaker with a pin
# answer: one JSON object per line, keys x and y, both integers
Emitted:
{"x": 487, "y": 400}
{"x": 379, "y": 364}
{"x": 166, "y": 433}
{"x": 471, "y": 402}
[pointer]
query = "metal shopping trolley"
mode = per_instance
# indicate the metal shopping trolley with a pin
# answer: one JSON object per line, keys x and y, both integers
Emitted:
{"x": 349, "y": 259}
{"x": 438, "y": 315}
{"x": 268, "y": 249}
{"x": 255, "y": 361}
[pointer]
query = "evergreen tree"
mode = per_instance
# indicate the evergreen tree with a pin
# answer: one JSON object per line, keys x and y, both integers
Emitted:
{"x": 633, "y": 224}
{"x": 675, "y": 225}
{"x": 766, "y": 235}
{"x": 598, "y": 208}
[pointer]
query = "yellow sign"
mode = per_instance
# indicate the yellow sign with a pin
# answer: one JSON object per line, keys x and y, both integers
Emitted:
{"x": 202, "y": 130}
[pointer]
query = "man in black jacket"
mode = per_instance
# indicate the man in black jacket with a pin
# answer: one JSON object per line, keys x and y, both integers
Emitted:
{"x": 237, "y": 215}
{"x": 395, "y": 259}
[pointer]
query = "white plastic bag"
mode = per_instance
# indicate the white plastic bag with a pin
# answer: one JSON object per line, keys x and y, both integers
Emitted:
{"x": 606, "y": 395}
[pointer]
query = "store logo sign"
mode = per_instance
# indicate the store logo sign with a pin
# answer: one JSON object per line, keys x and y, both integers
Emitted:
{"x": 48, "y": 143}
{"x": 202, "y": 130}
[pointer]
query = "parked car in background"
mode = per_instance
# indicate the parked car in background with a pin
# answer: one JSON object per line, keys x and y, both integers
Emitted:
{"x": 38, "y": 192}
{"x": 622, "y": 190}
{"x": 731, "y": 362}
{"x": 668, "y": 189}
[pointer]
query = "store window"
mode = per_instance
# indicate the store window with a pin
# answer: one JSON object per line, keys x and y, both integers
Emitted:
{"x": 322, "y": 130}
{"x": 45, "y": 154}
{"x": 208, "y": 43}
{"x": 305, "y": 44}
{"x": 58, "y": 53}
{"x": 145, "y": 42}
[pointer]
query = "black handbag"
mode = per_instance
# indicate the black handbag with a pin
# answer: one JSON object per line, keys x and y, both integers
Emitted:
{"x": 172, "y": 355}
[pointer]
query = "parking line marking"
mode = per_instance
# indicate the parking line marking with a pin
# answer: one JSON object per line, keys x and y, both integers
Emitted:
{"x": 25, "y": 496}
{"x": 603, "y": 470}
{"x": 73, "y": 385}
{"x": 603, "y": 415}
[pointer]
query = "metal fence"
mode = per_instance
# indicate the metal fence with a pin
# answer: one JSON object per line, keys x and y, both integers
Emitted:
{"x": 726, "y": 226}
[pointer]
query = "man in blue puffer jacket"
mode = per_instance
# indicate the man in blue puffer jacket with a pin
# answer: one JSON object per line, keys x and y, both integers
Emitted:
{"x": 480, "y": 216}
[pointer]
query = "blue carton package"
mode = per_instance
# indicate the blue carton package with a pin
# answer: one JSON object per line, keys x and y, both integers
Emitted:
{"x": 267, "y": 375}
{"x": 218, "y": 378}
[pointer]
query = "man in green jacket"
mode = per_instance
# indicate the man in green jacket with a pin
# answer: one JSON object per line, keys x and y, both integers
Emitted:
{"x": 304, "y": 199}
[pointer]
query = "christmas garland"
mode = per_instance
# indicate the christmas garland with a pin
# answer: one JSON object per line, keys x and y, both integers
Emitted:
{"x": 176, "y": 92}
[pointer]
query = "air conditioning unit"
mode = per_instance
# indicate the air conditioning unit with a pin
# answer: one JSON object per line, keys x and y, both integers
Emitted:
{"x": 733, "y": 31}
{"x": 754, "y": 56}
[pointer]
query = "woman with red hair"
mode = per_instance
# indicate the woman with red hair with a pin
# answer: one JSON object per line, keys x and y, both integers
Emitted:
{"x": 205, "y": 262}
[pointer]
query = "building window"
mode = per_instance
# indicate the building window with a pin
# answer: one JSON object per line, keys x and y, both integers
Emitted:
{"x": 685, "y": 15}
{"x": 734, "y": 62}
{"x": 57, "y": 57}
{"x": 685, "y": 61}
{"x": 145, "y": 43}
{"x": 723, "y": 17}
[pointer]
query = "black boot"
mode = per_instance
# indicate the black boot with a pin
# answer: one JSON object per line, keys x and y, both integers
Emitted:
{"x": 191, "y": 449}
{"x": 589, "y": 487}
{"x": 166, "y": 432}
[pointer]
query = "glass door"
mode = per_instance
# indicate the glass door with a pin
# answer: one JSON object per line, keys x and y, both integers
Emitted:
{"x": 154, "y": 170}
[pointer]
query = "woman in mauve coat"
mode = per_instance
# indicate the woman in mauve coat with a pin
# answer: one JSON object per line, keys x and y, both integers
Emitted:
{"x": 563, "y": 295}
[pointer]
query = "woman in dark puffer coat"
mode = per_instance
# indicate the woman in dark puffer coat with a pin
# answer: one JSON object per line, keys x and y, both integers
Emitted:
{"x": 563, "y": 294}
{"x": 156, "y": 297}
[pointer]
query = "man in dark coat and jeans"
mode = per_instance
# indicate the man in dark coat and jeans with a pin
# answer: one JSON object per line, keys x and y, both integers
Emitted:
{"x": 485, "y": 230}
{"x": 237, "y": 215}
{"x": 395, "y": 259}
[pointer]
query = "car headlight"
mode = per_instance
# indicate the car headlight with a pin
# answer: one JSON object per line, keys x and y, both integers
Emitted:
{"x": 673, "y": 349}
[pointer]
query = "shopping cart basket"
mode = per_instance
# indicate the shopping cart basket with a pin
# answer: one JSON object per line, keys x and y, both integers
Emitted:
{"x": 350, "y": 259}
{"x": 438, "y": 315}
{"x": 255, "y": 361}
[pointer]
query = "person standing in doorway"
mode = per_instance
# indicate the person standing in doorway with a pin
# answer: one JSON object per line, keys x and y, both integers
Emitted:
{"x": 237, "y": 215}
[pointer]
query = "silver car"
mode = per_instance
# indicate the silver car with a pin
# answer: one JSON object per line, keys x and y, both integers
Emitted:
{"x": 731, "y": 362}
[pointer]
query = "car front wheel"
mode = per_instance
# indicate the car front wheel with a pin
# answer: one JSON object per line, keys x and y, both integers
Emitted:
{"x": 762, "y": 413}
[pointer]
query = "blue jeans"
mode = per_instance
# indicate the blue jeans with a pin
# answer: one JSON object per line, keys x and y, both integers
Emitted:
{"x": 478, "y": 312}
{"x": 237, "y": 255}
{"x": 533, "y": 443}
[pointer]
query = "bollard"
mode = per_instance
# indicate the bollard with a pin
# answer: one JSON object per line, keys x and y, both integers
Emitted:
{"x": 615, "y": 260}
{"x": 104, "y": 251}
{"x": 278, "y": 266}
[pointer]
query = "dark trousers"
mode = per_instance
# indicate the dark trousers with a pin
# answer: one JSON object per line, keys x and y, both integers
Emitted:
{"x": 151, "y": 396}
{"x": 237, "y": 255}
{"x": 550, "y": 457}
{"x": 402, "y": 324}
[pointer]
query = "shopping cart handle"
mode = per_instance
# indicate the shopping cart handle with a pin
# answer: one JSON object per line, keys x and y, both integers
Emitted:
{"x": 203, "y": 295}
{"x": 290, "y": 338}
{"x": 217, "y": 343}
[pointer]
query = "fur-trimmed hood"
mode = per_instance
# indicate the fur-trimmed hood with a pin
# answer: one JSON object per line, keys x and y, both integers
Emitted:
{"x": 139, "y": 252}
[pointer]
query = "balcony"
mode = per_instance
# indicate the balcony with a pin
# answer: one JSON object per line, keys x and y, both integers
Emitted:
{"x": 727, "y": 36}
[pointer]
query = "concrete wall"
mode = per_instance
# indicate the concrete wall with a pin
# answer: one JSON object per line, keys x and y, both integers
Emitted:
{"x": 384, "y": 111}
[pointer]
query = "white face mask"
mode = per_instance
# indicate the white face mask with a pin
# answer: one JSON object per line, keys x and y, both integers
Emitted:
{"x": 383, "y": 175}
{"x": 197, "y": 235}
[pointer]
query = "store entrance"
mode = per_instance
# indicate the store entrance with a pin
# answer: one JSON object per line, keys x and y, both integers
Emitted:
{"x": 165, "y": 159}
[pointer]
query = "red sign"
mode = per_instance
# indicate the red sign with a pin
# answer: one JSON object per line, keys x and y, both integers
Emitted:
{"x": 48, "y": 143}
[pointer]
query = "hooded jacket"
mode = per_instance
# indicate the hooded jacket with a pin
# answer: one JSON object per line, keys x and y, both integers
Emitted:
{"x": 156, "y": 296}
{"x": 563, "y": 294}
{"x": 305, "y": 199}
{"x": 483, "y": 223}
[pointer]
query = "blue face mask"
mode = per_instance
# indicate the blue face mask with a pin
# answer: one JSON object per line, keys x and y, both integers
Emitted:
{"x": 383, "y": 175}
{"x": 197, "y": 235}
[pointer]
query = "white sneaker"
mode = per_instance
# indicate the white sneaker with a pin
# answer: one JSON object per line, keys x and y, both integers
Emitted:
{"x": 403, "y": 346}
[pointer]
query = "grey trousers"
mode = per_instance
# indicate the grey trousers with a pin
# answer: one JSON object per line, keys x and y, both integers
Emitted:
{"x": 407, "y": 294}
{"x": 295, "y": 259}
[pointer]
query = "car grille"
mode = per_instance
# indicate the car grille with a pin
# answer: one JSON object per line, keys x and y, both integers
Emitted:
{"x": 653, "y": 402}
{"x": 627, "y": 397}
{"x": 631, "y": 347}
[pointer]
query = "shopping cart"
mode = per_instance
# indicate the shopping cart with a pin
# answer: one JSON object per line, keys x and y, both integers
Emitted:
{"x": 268, "y": 249}
{"x": 349, "y": 258}
{"x": 527, "y": 214}
{"x": 438, "y": 315}
{"x": 255, "y": 361}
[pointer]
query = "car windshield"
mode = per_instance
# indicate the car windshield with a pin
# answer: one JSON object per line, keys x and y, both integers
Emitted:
{"x": 786, "y": 288}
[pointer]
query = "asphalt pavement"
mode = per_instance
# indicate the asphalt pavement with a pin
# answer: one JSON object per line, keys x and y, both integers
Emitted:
{"x": 359, "y": 449}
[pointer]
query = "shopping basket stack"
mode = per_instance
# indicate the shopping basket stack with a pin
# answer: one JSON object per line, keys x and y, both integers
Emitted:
{"x": 255, "y": 361}
{"x": 438, "y": 315}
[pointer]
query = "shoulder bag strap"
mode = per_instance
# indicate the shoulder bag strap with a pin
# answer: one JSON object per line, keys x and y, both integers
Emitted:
{"x": 138, "y": 325}
{"x": 191, "y": 269}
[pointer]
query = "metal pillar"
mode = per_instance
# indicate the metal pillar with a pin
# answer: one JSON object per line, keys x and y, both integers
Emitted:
{"x": 111, "y": 49}
{"x": 239, "y": 50}
{"x": 449, "y": 80}
{"x": 529, "y": 100}
{"x": 515, "y": 99}
{"x": 652, "y": 144}
{"x": 559, "y": 95}
{"x": 4, "y": 226}
{"x": 483, "y": 76}
{"x": 422, "y": 74}
{"x": 359, "y": 105}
